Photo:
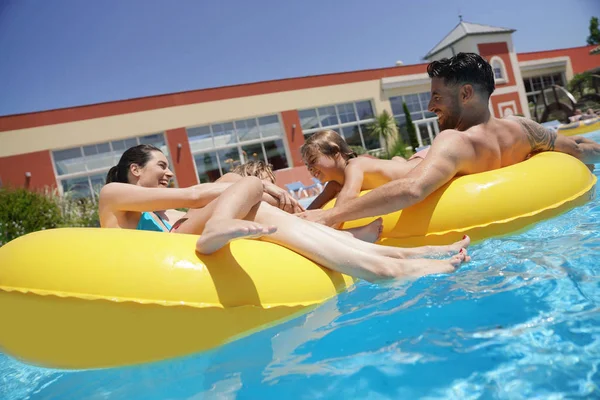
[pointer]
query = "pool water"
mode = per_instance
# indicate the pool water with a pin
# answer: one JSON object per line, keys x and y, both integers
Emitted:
{"x": 520, "y": 321}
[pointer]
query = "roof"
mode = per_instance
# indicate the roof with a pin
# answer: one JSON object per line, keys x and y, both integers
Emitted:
{"x": 462, "y": 30}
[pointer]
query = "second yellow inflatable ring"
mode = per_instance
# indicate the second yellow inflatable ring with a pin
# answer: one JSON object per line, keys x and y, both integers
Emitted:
{"x": 491, "y": 203}
{"x": 580, "y": 127}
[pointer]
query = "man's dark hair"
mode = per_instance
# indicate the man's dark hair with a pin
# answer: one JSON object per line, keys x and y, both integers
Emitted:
{"x": 464, "y": 68}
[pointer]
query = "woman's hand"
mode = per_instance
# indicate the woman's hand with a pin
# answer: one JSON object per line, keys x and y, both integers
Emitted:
{"x": 283, "y": 199}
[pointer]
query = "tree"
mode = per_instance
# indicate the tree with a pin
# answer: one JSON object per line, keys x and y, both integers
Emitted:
{"x": 385, "y": 126}
{"x": 410, "y": 128}
{"x": 594, "y": 37}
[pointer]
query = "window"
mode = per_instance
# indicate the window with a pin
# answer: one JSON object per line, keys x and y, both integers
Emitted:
{"x": 218, "y": 148}
{"x": 535, "y": 85}
{"x": 499, "y": 69}
{"x": 417, "y": 105}
{"x": 81, "y": 171}
{"x": 350, "y": 120}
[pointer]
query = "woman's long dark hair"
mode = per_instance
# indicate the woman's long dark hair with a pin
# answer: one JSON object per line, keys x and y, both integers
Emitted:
{"x": 139, "y": 155}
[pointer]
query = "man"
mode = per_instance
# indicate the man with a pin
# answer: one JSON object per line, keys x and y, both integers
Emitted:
{"x": 471, "y": 141}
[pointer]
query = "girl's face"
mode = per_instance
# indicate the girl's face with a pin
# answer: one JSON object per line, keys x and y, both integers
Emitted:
{"x": 155, "y": 173}
{"x": 327, "y": 169}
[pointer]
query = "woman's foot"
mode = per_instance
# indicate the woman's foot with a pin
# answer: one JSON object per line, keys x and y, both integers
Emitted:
{"x": 422, "y": 267}
{"x": 368, "y": 233}
{"x": 429, "y": 250}
{"x": 218, "y": 233}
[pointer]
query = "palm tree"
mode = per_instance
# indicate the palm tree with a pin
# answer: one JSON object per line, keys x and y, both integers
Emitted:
{"x": 385, "y": 126}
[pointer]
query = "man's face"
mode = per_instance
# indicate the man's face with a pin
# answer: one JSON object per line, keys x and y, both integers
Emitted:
{"x": 445, "y": 103}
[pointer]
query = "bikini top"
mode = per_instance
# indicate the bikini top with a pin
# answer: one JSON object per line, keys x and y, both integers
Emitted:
{"x": 147, "y": 223}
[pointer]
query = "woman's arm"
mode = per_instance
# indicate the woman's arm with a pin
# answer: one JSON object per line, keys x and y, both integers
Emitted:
{"x": 127, "y": 197}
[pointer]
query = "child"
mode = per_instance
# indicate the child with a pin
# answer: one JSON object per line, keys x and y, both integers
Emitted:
{"x": 329, "y": 159}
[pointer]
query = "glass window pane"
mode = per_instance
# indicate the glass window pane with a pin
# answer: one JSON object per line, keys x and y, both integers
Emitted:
{"x": 546, "y": 81}
{"x": 68, "y": 161}
{"x": 371, "y": 141}
{"x": 346, "y": 112}
{"x": 77, "y": 187}
{"x": 352, "y": 135}
{"x": 224, "y": 134}
{"x": 425, "y": 98}
{"x": 269, "y": 126}
{"x": 397, "y": 107}
{"x": 200, "y": 138}
{"x": 253, "y": 152}
{"x": 157, "y": 140}
{"x": 276, "y": 154}
{"x": 537, "y": 83}
{"x": 412, "y": 102}
{"x": 229, "y": 159}
{"x": 527, "y": 84}
{"x": 558, "y": 80}
{"x": 247, "y": 130}
{"x": 416, "y": 116}
{"x": 207, "y": 167}
{"x": 364, "y": 109}
{"x": 327, "y": 116}
{"x": 308, "y": 119}
{"x": 97, "y": 182}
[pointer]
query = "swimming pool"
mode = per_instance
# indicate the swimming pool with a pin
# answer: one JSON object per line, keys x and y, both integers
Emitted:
{"x": 520, "y": 321}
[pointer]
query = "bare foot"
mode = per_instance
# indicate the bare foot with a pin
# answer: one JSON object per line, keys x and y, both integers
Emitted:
{"x": 368, "y": 233}
{"x": 218, "y": 233}
{"x": 428, "y": 250}
{"x": 422, "y": 267}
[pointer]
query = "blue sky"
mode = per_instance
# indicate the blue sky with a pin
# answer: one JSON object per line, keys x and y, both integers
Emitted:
{"x": 64, "y": 53}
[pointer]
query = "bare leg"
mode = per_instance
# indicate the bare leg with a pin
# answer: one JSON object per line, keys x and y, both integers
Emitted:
{"x": 342, "y": 253}
{"x": 368, "y": 233}
{"x": 399, "y": 252}
{"x": 222, "y": 220}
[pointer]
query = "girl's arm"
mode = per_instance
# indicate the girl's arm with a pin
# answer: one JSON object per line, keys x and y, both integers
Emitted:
{"x": 331, "y": 190}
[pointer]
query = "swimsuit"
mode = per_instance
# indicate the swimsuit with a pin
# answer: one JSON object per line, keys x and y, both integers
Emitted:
{"x": 147, "y": 223}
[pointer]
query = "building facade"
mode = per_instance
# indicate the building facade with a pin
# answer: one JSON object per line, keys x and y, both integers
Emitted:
{"x": 207, "y": 132}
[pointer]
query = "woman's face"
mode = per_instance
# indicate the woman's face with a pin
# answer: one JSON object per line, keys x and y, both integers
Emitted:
{"x": 155, "y": 173}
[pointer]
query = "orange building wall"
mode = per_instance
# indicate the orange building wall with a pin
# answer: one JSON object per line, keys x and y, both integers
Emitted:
{"x": 39, "y": 164}
{"x": 581, "y": 59}
{"x": 504, "y": 98}
{"x": 183, "y": 162}
{"x": 499, "y": 49}
{"x": 294, "y": 134}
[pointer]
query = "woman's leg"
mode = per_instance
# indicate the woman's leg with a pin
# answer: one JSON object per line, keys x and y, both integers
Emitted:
{"x": 222, "y": 220}
{"x": 343, "y": 253}
{"x": 399, "y": 252}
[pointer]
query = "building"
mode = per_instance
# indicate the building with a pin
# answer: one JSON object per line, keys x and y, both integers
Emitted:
{"x": 205, "y": 132}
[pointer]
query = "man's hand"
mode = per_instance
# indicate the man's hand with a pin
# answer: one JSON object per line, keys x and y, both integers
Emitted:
{"x": 284, "y": 200}
{"x": 318, "y": 216}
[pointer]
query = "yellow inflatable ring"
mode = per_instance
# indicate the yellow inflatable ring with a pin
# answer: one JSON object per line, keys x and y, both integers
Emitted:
{"x": 91, "y": 298}
{"x": 492, "y": 203}
{"x": 580, "y": 127}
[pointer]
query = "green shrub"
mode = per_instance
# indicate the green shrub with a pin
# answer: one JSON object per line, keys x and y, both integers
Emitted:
{"x": 23, "y": 211}
{"x": 358, "y": 150}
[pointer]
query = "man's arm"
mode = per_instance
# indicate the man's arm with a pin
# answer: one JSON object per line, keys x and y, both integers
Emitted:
{"x": 543, "y": 139}
{"x": 330, "y": 191}
{"x": 449, "y": 152}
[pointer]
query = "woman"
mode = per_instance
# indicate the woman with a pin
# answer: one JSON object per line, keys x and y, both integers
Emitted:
{"x": 221, "y": 212}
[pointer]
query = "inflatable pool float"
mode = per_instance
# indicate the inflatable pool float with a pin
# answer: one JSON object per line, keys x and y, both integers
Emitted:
{"x": 580, "y": 127}
{"x": 90, "y": 298}
{"x": 490, "y": 204}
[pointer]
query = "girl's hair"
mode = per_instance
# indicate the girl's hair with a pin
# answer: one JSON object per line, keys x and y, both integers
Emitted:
{"x": 326, "y": 142}
{"x": 139, "y": 155}
{"x": 259, "y": 169}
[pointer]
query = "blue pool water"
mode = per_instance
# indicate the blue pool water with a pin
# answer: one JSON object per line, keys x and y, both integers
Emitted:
{"x": 520, "y": 321}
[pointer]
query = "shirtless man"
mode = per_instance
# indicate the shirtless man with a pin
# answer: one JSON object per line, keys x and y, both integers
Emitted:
{"x": 471, "y": 141}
